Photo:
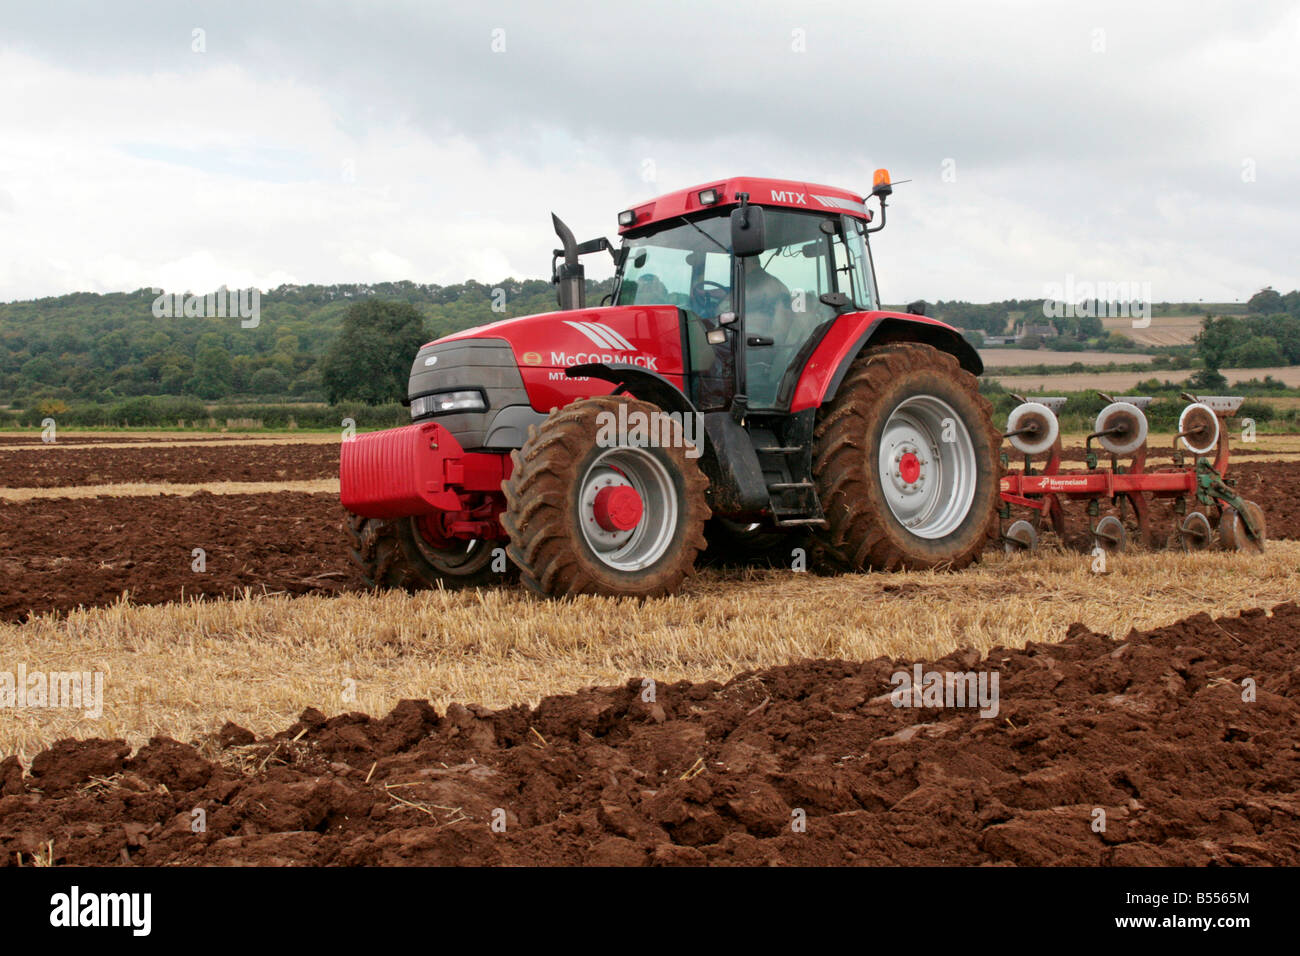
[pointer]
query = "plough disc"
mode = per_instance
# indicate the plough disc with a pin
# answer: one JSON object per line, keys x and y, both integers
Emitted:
{"x": 1109, "y": 535}
{"x": 1195, "y": 533}
{"x": 1198, "y": 427}
{"x": 1032, "y": 429}
{"x": 1020, "y": 537}
{"x": 1234, "y": 534}
{"x": 1121, "y": 428}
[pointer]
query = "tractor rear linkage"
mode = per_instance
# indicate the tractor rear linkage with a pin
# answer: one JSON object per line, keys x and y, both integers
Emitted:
{"x": 1121, "y": 431}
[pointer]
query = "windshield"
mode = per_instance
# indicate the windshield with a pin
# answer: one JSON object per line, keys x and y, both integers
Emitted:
{"x": 679, "y": 265}
{"x": 687, "y": 263}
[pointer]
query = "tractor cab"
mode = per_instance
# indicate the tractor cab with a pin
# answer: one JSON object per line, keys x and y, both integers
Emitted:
{"x": 800, "y": 271}
{"x": 759, "y": 270}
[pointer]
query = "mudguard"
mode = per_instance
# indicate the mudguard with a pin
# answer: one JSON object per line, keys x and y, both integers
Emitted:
{"x": 851, "y": 333}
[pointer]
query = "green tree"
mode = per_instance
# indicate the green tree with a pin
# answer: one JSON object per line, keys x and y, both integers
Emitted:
{"x": 1207, "y": 380}
{"x": 1217, "y": 338}
{"x": 112, "y": 350}
{"x": 40, "y": 370}
{"x": 1292, "y": 302}
{"x": 1266, "y": 302}
{"x": 1089, "y": 327}
{"x": 172, "y": 379}
{"x": 268, "y": 381}
{"x": 370, "y": 361}
{"x": 1286, "y": 330}
{"x": 1258, "y": 351}
{"x": 213, "y": 373}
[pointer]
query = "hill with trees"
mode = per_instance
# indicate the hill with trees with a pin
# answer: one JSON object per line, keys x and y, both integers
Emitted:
{"x": 113, "y": 351}
{"x": 92, "y": 348}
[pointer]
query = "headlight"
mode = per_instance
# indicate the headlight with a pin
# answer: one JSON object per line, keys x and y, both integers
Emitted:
{"x": 444, "y": 402}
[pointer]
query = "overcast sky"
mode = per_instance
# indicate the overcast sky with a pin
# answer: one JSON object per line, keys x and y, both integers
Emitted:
{"x": 354, "y": 142}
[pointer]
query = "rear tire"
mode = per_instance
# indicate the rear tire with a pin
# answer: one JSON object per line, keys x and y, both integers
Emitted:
{"x": 892, "y": 415}
{"x": 393, "y": 553}
{"x": 554, "y": 537}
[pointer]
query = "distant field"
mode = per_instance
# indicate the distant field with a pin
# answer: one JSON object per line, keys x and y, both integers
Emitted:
{"x": 1010, "y": 358}
{"x": 1164, "y": 329}
{"x": 1119, "y": 381}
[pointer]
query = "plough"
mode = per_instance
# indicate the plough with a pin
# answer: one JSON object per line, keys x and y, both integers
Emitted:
{"x": 1121, "y": 433}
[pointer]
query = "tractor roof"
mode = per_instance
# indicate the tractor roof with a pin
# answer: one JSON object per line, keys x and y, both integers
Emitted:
{"x": 762, "y": 192}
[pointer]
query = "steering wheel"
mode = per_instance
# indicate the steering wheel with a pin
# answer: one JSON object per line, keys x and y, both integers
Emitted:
{"x": 707, "y": 296}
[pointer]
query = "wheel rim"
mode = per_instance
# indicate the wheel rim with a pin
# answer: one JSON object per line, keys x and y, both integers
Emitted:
{"x": 449, "y": 555}
{"x": 928, "y": 482}
{"x": 641, "y": 546}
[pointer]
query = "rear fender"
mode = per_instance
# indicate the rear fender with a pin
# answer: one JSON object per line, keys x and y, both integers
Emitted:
{"x": 851, "y": 334}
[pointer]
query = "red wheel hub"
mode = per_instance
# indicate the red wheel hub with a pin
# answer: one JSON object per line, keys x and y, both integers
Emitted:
{"x": 909, "y": 467}
{"x": 433, "y": 529}
{"x": 618, "y": 508}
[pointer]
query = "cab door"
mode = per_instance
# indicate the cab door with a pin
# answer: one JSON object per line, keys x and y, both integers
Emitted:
{"x": 709, "y": 345}
{"x": 781, "y": 302}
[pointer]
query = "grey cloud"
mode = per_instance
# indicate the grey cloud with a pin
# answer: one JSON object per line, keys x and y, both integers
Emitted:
{"x": 1013, "y": 92}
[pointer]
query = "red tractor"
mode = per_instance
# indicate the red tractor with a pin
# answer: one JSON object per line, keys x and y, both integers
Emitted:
{"x": 741, "y": 382}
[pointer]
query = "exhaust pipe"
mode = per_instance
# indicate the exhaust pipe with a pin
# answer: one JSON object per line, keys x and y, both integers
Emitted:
{"x": 568, "y": 276}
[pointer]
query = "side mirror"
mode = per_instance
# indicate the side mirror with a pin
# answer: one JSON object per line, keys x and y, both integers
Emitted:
{"x": 836, "y": 300}
{"x": 916, "y": 308}
{"x": 748, "y": 236}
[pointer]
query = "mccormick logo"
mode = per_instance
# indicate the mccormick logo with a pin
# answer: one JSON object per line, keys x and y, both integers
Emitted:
{"x": 532, "y": 358}
{"x": 603, "y": 336}
{"x": 565, "y": 359}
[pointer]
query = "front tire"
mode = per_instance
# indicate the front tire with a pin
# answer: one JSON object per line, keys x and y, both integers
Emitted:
{"x": 565, "y": 541}
{"x": 402, "y": 553}
{"x": 905, "y": 458}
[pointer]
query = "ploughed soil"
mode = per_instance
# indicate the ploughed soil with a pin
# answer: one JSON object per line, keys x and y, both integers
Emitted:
{"x": 33, "y": 437}
{"x": 60, "y": 467}
{"x": 59, "y": 553}
{"x": 1132, "y": 751}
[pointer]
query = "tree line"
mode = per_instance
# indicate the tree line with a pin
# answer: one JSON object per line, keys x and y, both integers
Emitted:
{"x": 104, "y": 348}
{"x": 316, "y": 344}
